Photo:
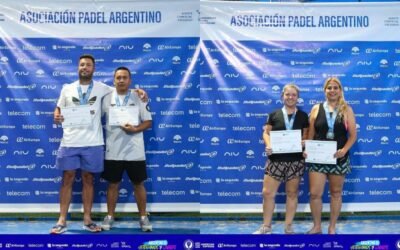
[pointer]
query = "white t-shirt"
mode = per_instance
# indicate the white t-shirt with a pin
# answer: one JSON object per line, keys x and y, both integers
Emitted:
{"x": 120, "y": 145}
{"x": 89, "y": 135}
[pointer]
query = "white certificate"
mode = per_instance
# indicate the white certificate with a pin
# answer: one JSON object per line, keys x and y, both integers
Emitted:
{"x": 121, "y": 115}
{"x": 321, "y": 152}
{"x": 78, "y": 116}
{"x": 285, "y": 141}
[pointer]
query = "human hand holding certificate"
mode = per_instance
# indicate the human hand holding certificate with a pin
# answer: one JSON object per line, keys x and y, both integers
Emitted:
{"x": 321, "y": 152}
{"x": 77, "y": 116}
{"x": 121, "y": 115}
{"x": 285, "y": 141}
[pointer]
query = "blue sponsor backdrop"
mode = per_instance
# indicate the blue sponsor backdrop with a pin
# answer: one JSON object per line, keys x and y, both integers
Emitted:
{"x": 241, "y": 82}
{"x": 33, "y": 69}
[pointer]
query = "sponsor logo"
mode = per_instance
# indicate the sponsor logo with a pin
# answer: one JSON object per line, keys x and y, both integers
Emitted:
{"x": 393, "y": 75}
{"x": 186, "y": 166}
{"x": 161, "y": 152}
{"x": 371, "y": 50}
{"x": 158, "y": 73}
{"x": 370, "y": 153}
{"x": 311, "y": 50}
{"x": 232, "y": 168}
{"x": 373, "y": 127}
{"x": 335, "y": 64}
{"x": 375, "y": 179}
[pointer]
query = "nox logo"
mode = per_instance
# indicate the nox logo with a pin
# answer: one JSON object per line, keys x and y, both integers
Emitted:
{"x": 258, "y": 89}
{"x": 333, "y": 50}
{"x": 365, "y": 140}
{"x": 188, "y": 151}
{"x": 21, "y": 152}
{"x": 231, "y": 75}
{"x": 157, "y": 139}
{"x": 157, "y": 60}
{"x": 233, "y": 154}
{"x": 393, "y": 76}
{"x": 184, "y": 72}
{"x": 21, "y": 73}
{"x": 126, "y": 47}
{"x": 364, "y": 63}
{"x": 48, "y": 86}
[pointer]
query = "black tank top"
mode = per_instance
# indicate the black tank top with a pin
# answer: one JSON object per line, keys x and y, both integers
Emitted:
{"x": 321, "y": 128}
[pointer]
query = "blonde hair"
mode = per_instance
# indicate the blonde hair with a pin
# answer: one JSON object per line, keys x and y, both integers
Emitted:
{"x": 290, "y": 85}
{"x": 342, "y": 104}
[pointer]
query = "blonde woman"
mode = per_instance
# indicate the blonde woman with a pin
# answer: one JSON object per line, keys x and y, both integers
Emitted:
{"x": 289, "y": 167}
{"x": 332, "y": 120}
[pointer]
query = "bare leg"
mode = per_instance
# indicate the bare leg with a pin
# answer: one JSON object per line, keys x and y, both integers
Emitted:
{"x": 141, "y": 197}
{"x": 317, "y": 185}
{"x": 87, "y": 196}
{"x": 292, "y": 187}
{"x": 112, "y": 197}
{"x": 335, "y": 189}
{"x": 270, "y": 188}
{"x": 65, "y": 195}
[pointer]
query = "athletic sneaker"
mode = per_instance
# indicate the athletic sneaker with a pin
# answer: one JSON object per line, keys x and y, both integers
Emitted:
{"x": 107, "y": 222}
{"x": 145, "y": 225}
{"x": 264, "y": 230}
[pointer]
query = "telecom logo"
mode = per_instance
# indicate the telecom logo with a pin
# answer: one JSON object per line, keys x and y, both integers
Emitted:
{"x": 376, "y": 114}
{"x": 3, "y": 139}
{"x": 33, "y": 48}
{"x": 229, "y": 194}
{"x": 60, "y": 61}
{"x": 27, "y": 60}
{"x": 173, "y": 192}
{"x": 303, "y": 76}
{"x": 18, "y": 193}
{"x": 229, "y": 115}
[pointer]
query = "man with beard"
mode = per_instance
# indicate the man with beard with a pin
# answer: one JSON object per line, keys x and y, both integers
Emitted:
{"x": 82, "y": 145}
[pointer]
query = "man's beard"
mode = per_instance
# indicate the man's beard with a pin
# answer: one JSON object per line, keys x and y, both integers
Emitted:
{"x": 85, "y": 76}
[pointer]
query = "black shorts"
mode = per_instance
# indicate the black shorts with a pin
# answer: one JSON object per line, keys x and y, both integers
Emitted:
{"x": 113, "y": 171}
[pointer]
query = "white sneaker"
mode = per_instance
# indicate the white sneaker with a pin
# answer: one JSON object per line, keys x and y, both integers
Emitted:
{"x": 145, "y": 225}
{"x": 264, "y": 230}
{"x": 107, "y": 222}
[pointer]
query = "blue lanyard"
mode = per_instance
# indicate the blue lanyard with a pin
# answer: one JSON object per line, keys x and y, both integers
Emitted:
{"x": 84, "y": 100}
{"x": 330, "y": 119}
{"x": 288, "y": 123}
{"x": 126, "y": 99}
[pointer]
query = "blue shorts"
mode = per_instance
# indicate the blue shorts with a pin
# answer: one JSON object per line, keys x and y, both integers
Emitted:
{"x": 89, "y": 159}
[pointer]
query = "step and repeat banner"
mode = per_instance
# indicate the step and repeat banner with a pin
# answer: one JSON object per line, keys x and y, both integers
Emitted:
{"x": 40, "y": 45}
{"x": 251, "y": 50}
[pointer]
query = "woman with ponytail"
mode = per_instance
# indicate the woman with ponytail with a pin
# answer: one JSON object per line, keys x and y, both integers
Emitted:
{"x": 332, "y": 120}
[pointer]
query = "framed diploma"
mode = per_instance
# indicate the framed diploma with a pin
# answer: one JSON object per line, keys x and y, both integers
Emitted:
{"x": 321, "y": 152}
{"x": 285, "y": 141}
